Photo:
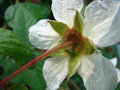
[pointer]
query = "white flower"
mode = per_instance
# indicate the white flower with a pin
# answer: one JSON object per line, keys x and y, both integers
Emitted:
{"x": 114, "y": 62}
{"x": 101, "y": 26}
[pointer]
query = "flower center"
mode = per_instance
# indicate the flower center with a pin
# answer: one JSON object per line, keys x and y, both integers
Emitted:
{"x": 81, "y": 45}
{"x": 74, "y": 36}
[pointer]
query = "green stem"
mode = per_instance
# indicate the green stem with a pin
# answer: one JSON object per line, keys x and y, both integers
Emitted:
{"x": 34, "y": 61}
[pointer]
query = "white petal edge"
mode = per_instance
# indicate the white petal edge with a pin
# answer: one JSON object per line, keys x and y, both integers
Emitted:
{"x": 102, "y": 22}
{"x": 118, "y": 74}
{"x": 42, "y": 36}
{"x": 98, "y": 73}
{"x": 114, "y": 61}
{"x": 54, "y": 71}
{"x": 64, "y": 10}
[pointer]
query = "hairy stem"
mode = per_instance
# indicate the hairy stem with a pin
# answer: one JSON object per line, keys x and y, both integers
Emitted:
{"x": 34, "y": 61}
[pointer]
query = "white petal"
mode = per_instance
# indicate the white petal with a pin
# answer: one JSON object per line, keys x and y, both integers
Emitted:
{"x": 63, "y": 10}
{"x": 42, "y": 35}
{"x": 118, "y": 74}
{"x": 102, "y": 22}
{"x": 98, "y": 73}
{"x": 55, "y": 70}
{"x": 114, "y": 61}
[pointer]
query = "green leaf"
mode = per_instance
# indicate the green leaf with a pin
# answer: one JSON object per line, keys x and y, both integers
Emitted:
{"x": 18, "y": 87}
{"x": 79, "y": 81}
{"x": 12, "y": 46}
{"x": 10, "y": 12}
{"x": 59, "y": 27}
{"x": 78, "y": 22}
{"x": 33, "y": 78}
{"x": 118, "y": 86}
{"x": 38, "y": 11}
{"x": 1, "y": 1}
{"x": 8, "y": 65}
{"x": 23, "y": 20}
{"x": 33, "y": 9}
{"x": 110, "y": 52}
{"x": 23, "y": 15}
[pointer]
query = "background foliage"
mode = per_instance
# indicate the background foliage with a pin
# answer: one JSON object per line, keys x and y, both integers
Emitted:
{"x": 16, "y": 16}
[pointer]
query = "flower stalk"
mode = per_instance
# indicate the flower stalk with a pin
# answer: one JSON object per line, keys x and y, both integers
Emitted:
{"x": 34, "y": 61}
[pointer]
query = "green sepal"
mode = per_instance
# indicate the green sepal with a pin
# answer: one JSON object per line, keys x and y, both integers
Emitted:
{"x": 89, "y": 47}
{"x": 78, "y": 22}
{"x": 58, "y": 53}
{"x": 73, "y": 65}
{"x": 59, "y": 27}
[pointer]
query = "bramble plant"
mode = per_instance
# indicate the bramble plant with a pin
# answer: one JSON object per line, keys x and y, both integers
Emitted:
{"x": 72, "y": 45}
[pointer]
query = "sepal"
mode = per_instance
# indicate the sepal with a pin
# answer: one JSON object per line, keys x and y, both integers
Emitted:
{"x": 78, "y": 22}
{"x": 59, "y": 27}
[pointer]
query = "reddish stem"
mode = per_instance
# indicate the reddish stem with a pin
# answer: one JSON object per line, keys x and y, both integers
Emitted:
{"x": 5, "y": 25}
{"x": 34, "y": 61}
